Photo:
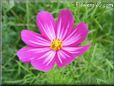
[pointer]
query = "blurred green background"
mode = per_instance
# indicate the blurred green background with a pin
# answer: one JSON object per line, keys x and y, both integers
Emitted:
{"x": 94, "y": 67}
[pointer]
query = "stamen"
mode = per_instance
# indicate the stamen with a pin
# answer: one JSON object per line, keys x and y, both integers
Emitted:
{"x": 56, "y": 44}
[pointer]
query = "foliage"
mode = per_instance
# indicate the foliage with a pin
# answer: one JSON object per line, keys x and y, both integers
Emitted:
{"x": 94, "y": 67}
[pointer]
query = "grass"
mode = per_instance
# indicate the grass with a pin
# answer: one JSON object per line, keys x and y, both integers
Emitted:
{"x": 94, "y": 67}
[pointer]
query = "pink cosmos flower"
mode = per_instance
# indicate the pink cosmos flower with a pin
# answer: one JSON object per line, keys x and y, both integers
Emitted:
{"x": 58, "y": 42}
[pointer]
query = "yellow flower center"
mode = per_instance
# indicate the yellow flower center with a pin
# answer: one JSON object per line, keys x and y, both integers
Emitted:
{"x": 56, "y": 44}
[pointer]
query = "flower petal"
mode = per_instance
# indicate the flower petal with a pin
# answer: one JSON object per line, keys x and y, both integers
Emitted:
{"x": 64, "y": 58}
{"x": 26, "y": 54}
{"x": 77, "y": 51}
{"x": 44, "y": 62}
{"x": 77, "y": 36}
{"x": 46, "y": 24}
{"x": 64, "y": 24}
{"x": 34, "y": 39}
{"x": 68, "y": 54}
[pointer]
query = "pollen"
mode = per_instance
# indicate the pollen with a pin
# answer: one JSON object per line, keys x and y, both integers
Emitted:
{"x": 56, "y": 44}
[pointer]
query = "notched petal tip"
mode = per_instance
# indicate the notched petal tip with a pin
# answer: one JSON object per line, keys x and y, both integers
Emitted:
{"x": 85, "y": 49}
{"x": 23, "y": 32}
{"x": 67, "y": 13}
{"x": 88, "y": 46}
{"x": 84, "y": 25}
{"x": 38, "y": 65}
{"x": 66, "y": 10}
{"x": 19, "y": 54}
{"x": 40, "y": 69}
{"x": 41, "y": 13}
